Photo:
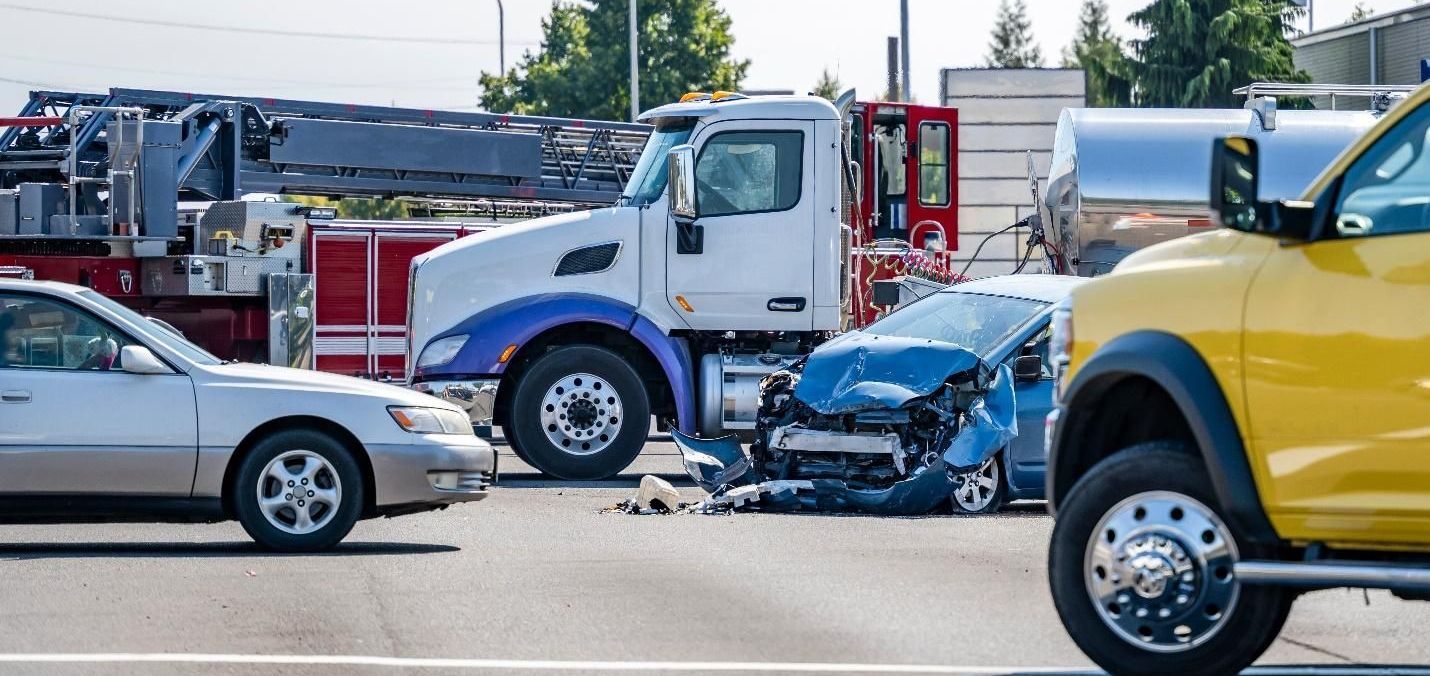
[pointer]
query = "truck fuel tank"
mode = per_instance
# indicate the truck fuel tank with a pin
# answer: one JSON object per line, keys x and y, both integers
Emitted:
{"x": 1124, "y": 179}
{"x": 730, "y": 388}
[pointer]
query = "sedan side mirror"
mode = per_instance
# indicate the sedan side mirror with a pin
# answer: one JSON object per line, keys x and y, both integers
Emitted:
{"x": 1028, "y": 367}
{"x": 140, "y": 360}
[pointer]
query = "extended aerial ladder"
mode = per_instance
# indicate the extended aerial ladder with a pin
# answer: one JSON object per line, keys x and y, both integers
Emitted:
{"x": 166, "y": 147}
{"x": 151, "y": 197}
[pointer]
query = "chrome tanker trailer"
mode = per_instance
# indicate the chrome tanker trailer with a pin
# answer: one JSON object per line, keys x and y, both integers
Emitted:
{"x": 1125, "y": 178}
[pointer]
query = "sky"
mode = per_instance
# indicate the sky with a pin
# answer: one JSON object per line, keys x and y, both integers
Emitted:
{"x": 429, "y": 53}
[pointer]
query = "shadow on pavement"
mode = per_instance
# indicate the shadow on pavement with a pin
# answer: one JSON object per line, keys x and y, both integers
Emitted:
{"x": 23, "y": 551}
{"x": 539, "y": 480}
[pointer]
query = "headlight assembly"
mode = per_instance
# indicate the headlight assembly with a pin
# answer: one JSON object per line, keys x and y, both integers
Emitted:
{"x": 441, "y": 352}
{"x": 423, "y": 420}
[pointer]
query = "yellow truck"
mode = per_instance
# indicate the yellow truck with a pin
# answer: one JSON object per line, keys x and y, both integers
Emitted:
{"x": 1244, "y": 414}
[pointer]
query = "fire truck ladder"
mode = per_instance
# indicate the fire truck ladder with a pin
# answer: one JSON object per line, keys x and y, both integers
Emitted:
{"x": 215, "y": 147}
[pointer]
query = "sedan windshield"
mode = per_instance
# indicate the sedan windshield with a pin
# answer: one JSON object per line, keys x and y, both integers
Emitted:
{"x": 647, "y": 182}
{"x": 158, "y": 334}
{"x": 974, "y": 321}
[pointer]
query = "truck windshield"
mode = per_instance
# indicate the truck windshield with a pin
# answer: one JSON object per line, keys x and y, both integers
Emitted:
{"x": 648, "y": 180}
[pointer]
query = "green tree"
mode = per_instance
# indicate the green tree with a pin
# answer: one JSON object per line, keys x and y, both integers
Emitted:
{"x": 1012, "y": 45}
{"x": 1098, "y": 52}
{"x": 583, "y": 66}
{"x": 828, "y": 86}
{"x": 1360, "y": 13}
{"x": 357, "y": 208}
{"x": 1197, "y": 51}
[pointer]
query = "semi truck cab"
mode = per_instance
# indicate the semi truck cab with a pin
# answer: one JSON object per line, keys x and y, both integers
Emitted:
{"x": 724, "y": 259}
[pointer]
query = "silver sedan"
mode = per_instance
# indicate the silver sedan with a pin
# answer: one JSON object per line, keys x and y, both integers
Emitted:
{"x": 105, "y": 416}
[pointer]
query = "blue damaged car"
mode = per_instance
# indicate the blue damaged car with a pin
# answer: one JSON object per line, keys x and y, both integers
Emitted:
{"x": 921, "y": 409}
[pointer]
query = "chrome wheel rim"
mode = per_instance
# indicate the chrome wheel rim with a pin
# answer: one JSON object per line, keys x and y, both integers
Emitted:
{"x": 975, "y": 490}
{"x": 299, "y": 492}
{"x": 581, "y": 414}
{"x": 1158, "y": 569}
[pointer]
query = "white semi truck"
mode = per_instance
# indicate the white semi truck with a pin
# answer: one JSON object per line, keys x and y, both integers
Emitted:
{"x": 727, "y": 257}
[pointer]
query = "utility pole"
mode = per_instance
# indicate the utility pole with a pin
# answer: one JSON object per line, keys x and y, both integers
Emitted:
{"x": 501, "y": 37}
{"x": 908, "y": 94}
{"x": 893, "y": 83}
{"x": 635, "y": 69}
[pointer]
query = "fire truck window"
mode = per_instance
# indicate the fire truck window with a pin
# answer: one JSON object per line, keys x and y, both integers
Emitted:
{"x": 933, "y": 164}
{"x": 38, "y": 333}
{"x": 749, "y": 172}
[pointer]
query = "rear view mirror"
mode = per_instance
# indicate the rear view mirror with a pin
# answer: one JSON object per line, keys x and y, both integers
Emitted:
{"x": 1235, "y": 163}
{"x": 1028, "y": 367}
{"x": 681, "y": 165}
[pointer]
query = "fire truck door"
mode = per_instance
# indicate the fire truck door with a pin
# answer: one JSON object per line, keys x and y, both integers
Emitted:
{"x": 343, "y": 279}
{"x": 933, "y": 177}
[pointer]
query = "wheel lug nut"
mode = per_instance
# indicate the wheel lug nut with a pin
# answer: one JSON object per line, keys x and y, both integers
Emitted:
{"x": 300, "y": 503}
{"x": 287, "y": 496}
{"x": 310, "y": 494}
{"x": 290, "y": 482}
{"x": 305, "y": 482}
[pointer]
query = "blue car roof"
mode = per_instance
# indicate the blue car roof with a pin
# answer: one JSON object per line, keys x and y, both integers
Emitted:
{"x": 1043, "y": 288}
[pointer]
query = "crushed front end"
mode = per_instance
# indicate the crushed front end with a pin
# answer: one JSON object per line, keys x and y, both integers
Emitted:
{"x": 867, "y": 423}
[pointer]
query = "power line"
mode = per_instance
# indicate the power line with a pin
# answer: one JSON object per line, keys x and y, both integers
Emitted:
{"x": 252, "y": 31}
{"x": 241, "y": 78}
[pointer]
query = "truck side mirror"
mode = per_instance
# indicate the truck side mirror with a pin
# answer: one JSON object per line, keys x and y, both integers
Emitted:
{"x": 1236, "y": 165}
{"x": 681, "y": 166}
{"x": 690, "y": 238}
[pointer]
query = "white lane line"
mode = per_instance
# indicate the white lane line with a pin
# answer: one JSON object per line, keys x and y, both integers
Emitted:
{"x": 498, "y": 664}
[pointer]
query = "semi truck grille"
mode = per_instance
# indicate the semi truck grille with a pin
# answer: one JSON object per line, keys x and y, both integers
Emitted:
{"x": 588, "y": 259}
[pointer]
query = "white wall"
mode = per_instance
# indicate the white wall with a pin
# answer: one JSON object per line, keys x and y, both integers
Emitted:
{"x": 1002, "y": 114}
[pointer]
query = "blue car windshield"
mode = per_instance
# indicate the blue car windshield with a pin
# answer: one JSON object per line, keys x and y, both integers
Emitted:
{"x": 648, "y": 179}
{"x": 973, "y": 321}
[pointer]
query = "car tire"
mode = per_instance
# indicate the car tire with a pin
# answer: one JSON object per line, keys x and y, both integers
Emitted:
{"x": 987, "y": 493}
{"x": 580, "y": 413}
{"x": 312, "y": 513}
{"x": 1152, "y": 505}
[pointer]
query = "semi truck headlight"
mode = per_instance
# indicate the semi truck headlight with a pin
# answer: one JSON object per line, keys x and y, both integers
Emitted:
{"x": 423, "y": 420}
{"x": 441, "y": 352}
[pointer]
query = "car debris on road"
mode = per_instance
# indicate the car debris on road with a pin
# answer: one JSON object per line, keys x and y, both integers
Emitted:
{"x": 874, "y": 424}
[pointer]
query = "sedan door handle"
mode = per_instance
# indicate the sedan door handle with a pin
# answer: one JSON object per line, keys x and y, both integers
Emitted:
{"x": 15, "y": 396}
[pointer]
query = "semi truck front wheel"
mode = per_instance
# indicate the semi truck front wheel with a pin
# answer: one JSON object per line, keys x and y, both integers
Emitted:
{"x": 580, "y": 413}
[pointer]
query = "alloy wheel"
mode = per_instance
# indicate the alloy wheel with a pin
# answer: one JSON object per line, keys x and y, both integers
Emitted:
{"x": 581, "y": 414}
{"x": 299, "y": 492}
{"x": 1158, "y": 569}
{"x": 975, "y": 490}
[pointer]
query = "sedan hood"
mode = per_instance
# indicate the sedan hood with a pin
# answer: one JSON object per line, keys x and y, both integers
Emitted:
{"x": 262, "y": 376}
{"x": 861, "y": 372}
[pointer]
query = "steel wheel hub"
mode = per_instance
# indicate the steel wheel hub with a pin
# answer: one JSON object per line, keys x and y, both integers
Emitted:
{"x": 1158, "y": 570}
{"x": 581, "y": 414}
{"x": 977, "y": 488}
{"x": 299, "y": 492}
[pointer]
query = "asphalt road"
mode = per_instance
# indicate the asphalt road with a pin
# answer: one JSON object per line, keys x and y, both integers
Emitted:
{"x": 537, "y": 579}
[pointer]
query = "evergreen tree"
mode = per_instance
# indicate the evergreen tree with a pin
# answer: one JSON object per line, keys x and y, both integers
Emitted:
{"x": 828, "y": 85}
{"x": 1098, "y": 52}
{"x": 583, "y": 66}
{"x": 1197, "y": 51}
{"x": 1360, "y": 13}
{"x": 1012, "y": 45}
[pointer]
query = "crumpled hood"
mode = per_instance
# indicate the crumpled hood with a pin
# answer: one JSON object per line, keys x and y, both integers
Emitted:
{"x": 861, "y": 372}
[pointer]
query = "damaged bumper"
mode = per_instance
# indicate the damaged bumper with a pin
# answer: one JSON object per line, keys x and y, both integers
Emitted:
{"x": 873, "y": 424}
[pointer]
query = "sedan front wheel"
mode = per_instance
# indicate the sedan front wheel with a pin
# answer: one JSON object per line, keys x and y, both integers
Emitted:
{"x": 298, "y": 491}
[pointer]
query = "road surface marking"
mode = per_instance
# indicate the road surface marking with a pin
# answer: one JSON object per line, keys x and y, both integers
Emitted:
{"x": 545, "y": 665}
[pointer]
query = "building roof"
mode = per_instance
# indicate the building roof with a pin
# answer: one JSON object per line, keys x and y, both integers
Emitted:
{"x": 1414, "y": 13}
